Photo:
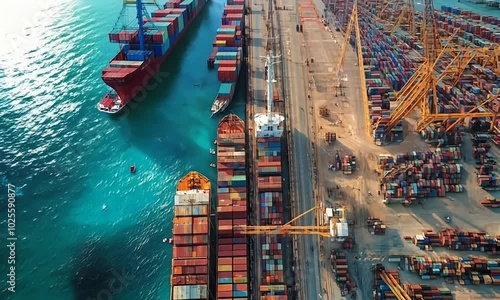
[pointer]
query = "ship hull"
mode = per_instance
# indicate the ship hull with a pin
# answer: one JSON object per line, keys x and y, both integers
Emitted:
{"x": 191, "y": 239}
{"x": 136, "y": 83}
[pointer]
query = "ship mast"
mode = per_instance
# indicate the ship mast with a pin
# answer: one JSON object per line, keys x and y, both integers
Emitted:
{"x": 138, "y": 4}
{"x": 270, "y": 80}
{"x": 268, "y": 124}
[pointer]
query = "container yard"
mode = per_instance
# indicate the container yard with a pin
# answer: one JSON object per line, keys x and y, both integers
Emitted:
{"x": 420, "y": 174}
{"x": 232, "y": 255}
{"x": 459, "y": 240}
{"x": 144, "y": 47}
{"x": 191, "y": 272}
{"x": 388, "y": 69}
{"x": 226, "y": 55}
{"x": 431, "y": 170}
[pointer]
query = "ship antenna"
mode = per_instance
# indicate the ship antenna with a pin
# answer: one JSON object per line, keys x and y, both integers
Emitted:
{"x": 138, "y": 4}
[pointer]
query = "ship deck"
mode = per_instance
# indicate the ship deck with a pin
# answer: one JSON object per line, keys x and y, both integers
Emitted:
{"x": 193, "y": 181}
{"x": 231, "y": 124}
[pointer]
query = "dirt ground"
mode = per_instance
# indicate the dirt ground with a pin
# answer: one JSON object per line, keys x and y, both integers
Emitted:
{"x": 347, "y": 121}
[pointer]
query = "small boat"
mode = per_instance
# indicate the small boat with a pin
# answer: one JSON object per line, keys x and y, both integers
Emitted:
{"x": 213, "y": 165}
{"x": 132, "y": 169}
{"x": 104, "y": 207}
{"x": 212, "y": 151}
{"x": 223, "y": 98}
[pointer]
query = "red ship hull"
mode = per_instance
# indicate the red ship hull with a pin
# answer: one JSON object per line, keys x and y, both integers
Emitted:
{"x": 135, "y": 84}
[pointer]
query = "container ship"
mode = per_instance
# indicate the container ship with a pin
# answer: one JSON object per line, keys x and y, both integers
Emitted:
{"x": 143, "y": 50}
{"x": 232, "y": 254}
{"x": 269, "y": 189}
{"x": 190, "y": 277}
{"x": 227, "y": 52}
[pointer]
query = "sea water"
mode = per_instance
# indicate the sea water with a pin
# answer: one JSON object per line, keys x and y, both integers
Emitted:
{"x": 67, "y": 160}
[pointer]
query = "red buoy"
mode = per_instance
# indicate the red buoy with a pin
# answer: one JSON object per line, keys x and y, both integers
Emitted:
{"x": 132, "y": 169}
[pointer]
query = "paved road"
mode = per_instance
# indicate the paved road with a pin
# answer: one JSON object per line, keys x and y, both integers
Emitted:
{"x": 308, "y": 253}
{"x": 257, "y": 44}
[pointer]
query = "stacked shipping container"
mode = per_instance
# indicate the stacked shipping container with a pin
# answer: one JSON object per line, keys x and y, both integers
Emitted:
{"x": 161, "y": 31}
{"x": 464, "y": 270}
{"x": 161, "y": 34}
{"x": 461, "y": 240}
{"x": 227, "y": 52}
{"x": 389, "y": 63}
{"x": 427, "y": 292}
{"x": 232, "y": 263}
{"x": 191, "y": 239}
{"x": 421, "y": 174}
{"x": 269, "y": 187}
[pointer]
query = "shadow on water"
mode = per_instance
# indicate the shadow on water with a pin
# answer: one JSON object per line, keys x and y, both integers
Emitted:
{"x": 104, "y": 268}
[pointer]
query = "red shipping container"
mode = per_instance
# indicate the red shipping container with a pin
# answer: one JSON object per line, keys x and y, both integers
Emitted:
{"x": 240, "y": 268}
{"x": 239, "y": 260}
{"x": 224, "y": 261}
{"x": 190, "y": 262}
{"x": 225, "y": 247}
{"x": 225, "y": 254}
{"x": 237, "y": 247}
{"x": 224, "y": 274}
{"x": 240, "y": 253}
{"x": 224, "y": 294}
{"x": 161, "y": 13}
{"x": 225, "y": 241}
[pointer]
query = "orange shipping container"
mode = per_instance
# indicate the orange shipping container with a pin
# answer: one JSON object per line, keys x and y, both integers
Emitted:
{"x": 225, "y": 287}
{"x": 190, "y": 251}
{"x": 190, "y": 262}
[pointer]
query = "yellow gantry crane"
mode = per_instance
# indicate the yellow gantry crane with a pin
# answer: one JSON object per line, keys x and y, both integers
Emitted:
{"x": 421, "y": 89}
{"x": 290, "y": 229}
{"x": 354, "y": 25}
{"x": 394, "y": 285}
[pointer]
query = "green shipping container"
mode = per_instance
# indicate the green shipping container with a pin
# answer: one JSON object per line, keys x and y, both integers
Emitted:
{"x": 239, "y": 178}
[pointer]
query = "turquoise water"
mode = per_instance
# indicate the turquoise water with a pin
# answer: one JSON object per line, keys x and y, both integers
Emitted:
{"x": 66, "y": 159}
{"x": 463, "y": 4}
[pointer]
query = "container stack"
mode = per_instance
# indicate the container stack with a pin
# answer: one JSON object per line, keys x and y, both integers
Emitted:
{"x": 348, "y": 164}
{"x": 389, "y": 61}
{"x": 232, "y": 256}
{"x": 161, "y": 33}
{"x": 387, "y": 68}
{"x": 464, "y": 270}
{"x": 427, "y": 292}
{"x": 491, "y": 203}
{"x": 375, "y": 226}
{"x": 191, "y": 239}
{"x": 270, "y": 193}
{"x": 340, "y": 267}
{"x": 481, "y": 30}
{"x": 421, "y": 174}
{"x": 486, "y": 164}
{"x": 226, "y": 55}
{"x": 455, "y": 239}
{"x": 436, "y": 135}
{"x": 427, "y": 240}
